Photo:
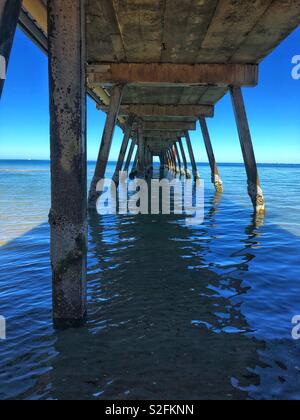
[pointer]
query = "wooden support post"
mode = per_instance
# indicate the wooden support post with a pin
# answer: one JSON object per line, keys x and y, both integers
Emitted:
{"x": 9, "y": 16}
{"x": 192, "y": 156}
{"x": 185, "y": 162}
{"x": 68, "y": 215}
{"x": 254, "y": 187}
{"x": 171, "y": 168}
{"x": 174, "y": 160}
{"x": 181, "y": 170}
{"x": 134, "y": 169}
{"x": 123, "y": 150}
{"x": 141, "y": 149}
{"x": 216, "y": 180}
{"x": 129, "y": 156}
{"x": 110, "y": 124}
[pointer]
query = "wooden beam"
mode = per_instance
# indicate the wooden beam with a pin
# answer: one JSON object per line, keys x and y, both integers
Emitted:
{"x": 9, "y": 15}
{"x": 192, "y": 156}
{"x": 141, "y": 149}
{"x": 38, "y": 11}
{"x": 123, "y": 150}
{"x": 177, "y": 74}
{"x": 254, "y": 187}
{"x": 185, "y": 162}
{"x": 145, "y": 110}
{"x": 215, "y": 177}
{"x": 106, "y": 142}
{"x": 68, "y": 215}
{"x": 129, "y": 156}
{"x": 168, "y": 125}
{"x": 173, "y": 135}
{"x": 181, "y": 170}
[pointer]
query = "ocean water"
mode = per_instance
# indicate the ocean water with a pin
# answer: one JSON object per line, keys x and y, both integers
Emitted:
{"x": 174, "y": 311}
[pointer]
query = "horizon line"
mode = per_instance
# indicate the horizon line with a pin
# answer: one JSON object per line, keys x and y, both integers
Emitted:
{"x": 115, "y": 161}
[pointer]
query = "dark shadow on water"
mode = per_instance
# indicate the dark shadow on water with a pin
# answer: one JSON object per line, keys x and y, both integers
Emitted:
{"x": 155, "y": 331}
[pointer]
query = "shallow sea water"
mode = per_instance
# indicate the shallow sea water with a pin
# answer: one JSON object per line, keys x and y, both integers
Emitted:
{"x": 174, "y": 311}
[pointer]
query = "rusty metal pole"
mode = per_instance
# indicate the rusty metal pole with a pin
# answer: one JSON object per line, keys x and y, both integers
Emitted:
{"x": 215, "y": 177}
{"x": 124, "y": 147}
{"x": 9, "y": 16}
{"x": 254, "y": 186}
{"x": 110, "y": 124}
{"x": 68, "y": 215}
{"x": 185, "y": 162}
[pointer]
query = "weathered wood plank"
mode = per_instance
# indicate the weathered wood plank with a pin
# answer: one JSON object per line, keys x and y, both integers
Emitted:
{"x": 230, "y": 26}
{"x": 103, "y": 34}
{"x": 141, "y": 27}
{"x": 184, "y": 74}
{"x": 281, "y": 18}
{"x": 185, "y": 26}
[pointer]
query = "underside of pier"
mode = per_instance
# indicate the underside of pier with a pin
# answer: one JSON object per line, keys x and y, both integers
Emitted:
{"x": 156, "y": 68}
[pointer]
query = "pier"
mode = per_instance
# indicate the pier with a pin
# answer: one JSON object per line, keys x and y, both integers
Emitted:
{"x": 156, "y": 68}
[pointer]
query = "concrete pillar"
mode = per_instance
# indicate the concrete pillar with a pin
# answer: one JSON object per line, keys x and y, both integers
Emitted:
{"x": 185, "y": 162}
{"x": 123, "y": 150}
{"x": 216, "y": 180}
{"x": 110, "y": 124}
{"x": 9, "y": 16}
{"x": 254, "y": 187}
{"x": 192, "y": 156}
{"x": 181, "y": 170}
{"x": 141, "y": 149}
{"x": 129, "y": 156}
{"x": 68, "y": 214}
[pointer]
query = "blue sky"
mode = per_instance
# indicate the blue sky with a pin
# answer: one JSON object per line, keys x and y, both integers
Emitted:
{"x": 273, "y": 110}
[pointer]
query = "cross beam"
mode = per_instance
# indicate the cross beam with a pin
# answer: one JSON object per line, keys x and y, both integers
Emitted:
{"x": 169, "y": 125}
{"x": 145, "y": 110}
{"x": 165, "y": 135}
{"x": 177, "y": 74}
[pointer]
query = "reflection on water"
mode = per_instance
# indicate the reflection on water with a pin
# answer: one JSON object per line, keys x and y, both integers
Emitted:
{"x": 175, "y": 311}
